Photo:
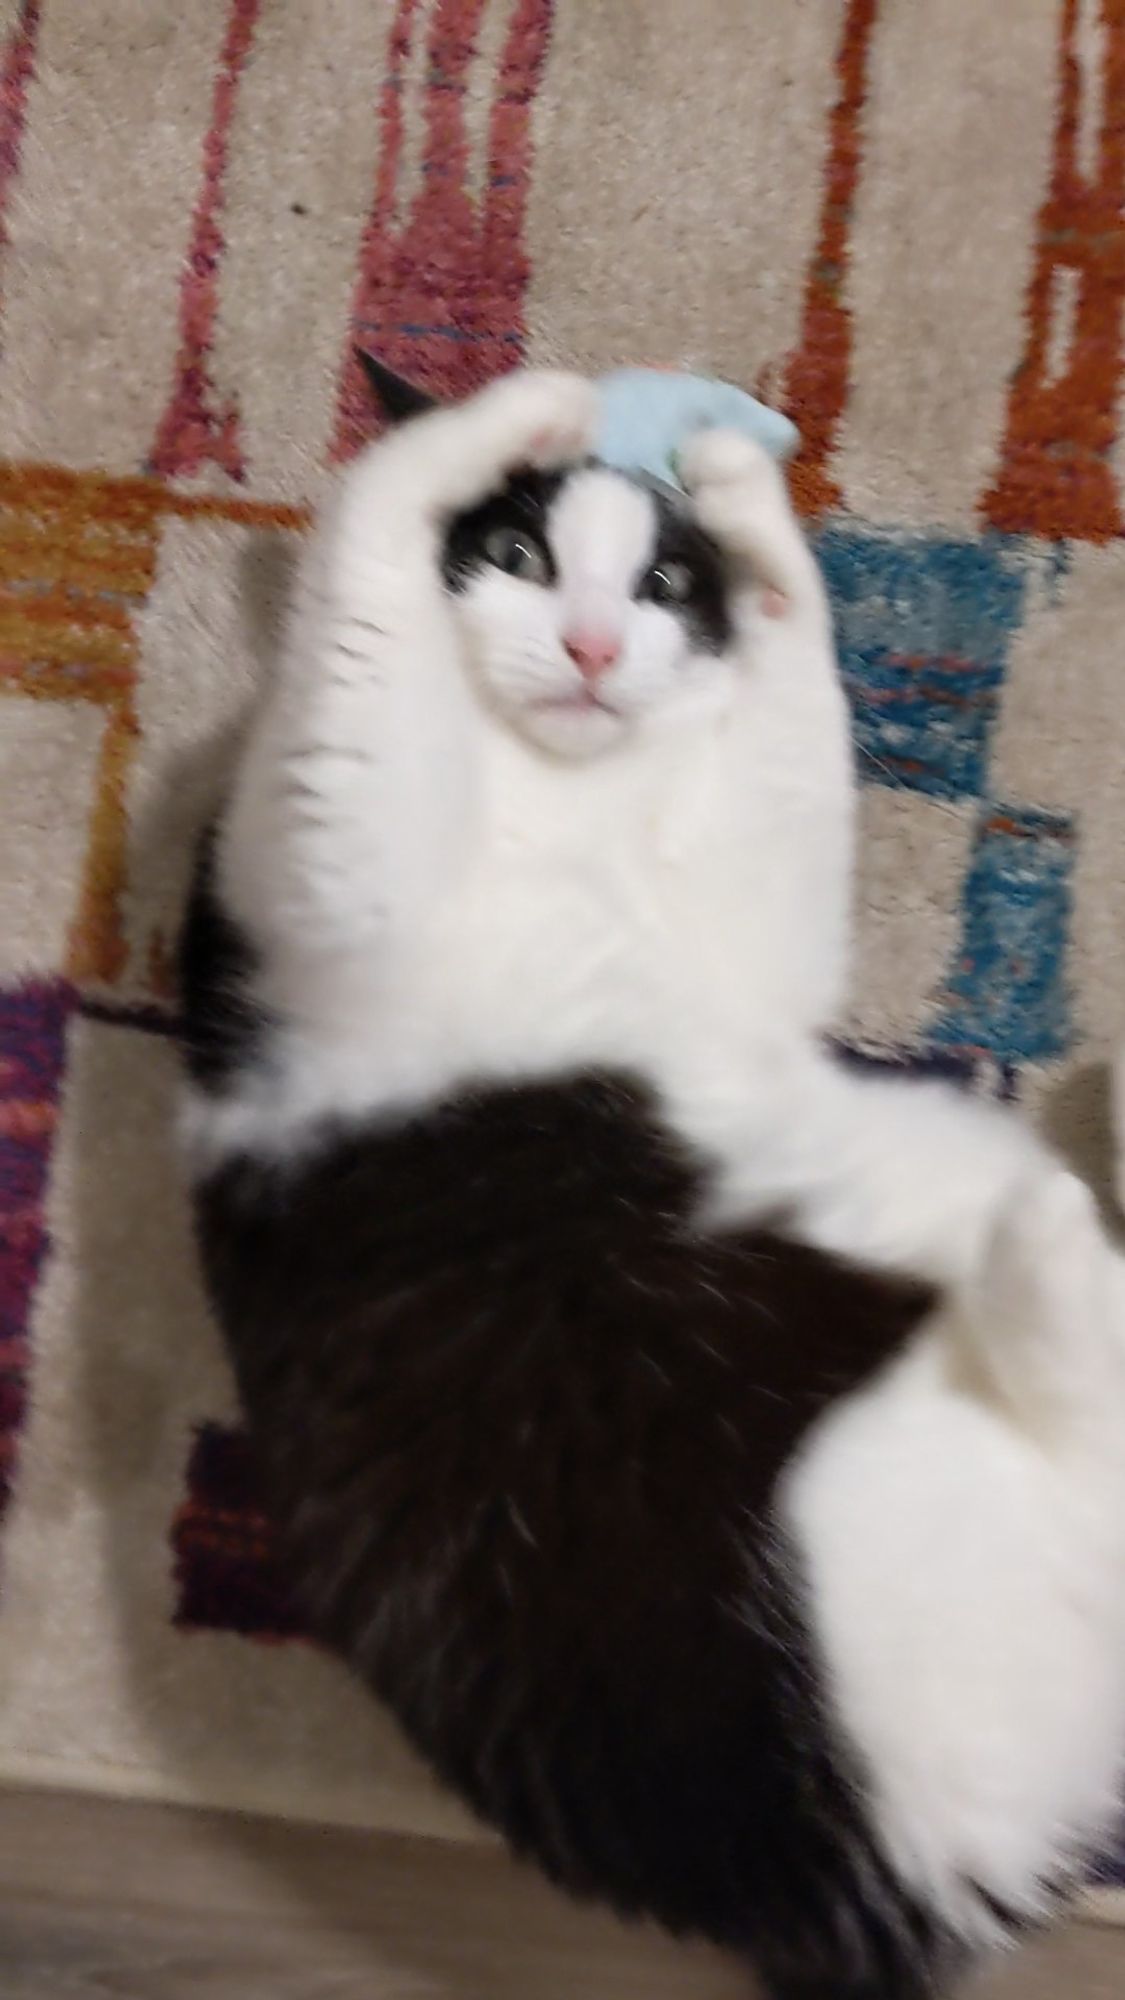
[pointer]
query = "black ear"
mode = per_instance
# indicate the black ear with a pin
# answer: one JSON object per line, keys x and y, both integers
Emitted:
{"x": 399, "y": 398}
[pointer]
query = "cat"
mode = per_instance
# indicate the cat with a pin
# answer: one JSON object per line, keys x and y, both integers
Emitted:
{"x": 711, "y": 1451}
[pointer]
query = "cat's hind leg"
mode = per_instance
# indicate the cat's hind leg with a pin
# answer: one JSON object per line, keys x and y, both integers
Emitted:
{"x": 1042, "y": 1325}
{"x": 904, "y": 1173}
{"x": 918, "y": 1177}
{"x": 962, "y": 1526}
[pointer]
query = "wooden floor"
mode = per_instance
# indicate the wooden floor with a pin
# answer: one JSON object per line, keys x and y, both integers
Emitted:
{"x": 104, "y": 1901}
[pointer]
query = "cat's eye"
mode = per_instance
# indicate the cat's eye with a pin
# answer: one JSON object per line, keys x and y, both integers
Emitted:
{"x": 518, "y": 553}
{"x": 670, "y": 583}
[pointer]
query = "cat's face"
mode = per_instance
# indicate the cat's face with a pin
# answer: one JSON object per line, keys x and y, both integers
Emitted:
{"x": 591, "y": 606}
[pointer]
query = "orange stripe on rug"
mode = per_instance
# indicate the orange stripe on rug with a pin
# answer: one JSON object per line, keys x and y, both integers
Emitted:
{"x": 78, "y": 554}
{"x": 1055, "y": 477}
{"x": 818, "y": 376}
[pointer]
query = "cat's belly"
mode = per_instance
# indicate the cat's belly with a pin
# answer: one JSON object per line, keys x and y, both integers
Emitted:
{"x": 610, "y": 966}
{"x": 661, "y": 918}
{"x": 530, "y": 973}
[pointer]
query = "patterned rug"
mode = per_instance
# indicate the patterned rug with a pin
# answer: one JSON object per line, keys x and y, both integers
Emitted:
{"x": 917, "y": 250}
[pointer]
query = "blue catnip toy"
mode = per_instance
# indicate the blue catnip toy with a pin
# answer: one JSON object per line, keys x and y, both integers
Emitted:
{"x": 647, "y": 414}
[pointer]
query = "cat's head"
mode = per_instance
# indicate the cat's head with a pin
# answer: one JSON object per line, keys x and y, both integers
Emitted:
{"x": 593, "y": 606}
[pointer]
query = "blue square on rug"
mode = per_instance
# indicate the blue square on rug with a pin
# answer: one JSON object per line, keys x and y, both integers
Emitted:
{"x": 923, "y": 626}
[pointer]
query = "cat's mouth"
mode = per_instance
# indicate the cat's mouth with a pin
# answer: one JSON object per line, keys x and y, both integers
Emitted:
{"x": 576, "y": 722}
{"x": 579, "y": 701}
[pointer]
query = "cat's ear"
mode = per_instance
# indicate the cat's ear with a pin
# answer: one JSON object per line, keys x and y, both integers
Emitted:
{"x": 399, "y": 398}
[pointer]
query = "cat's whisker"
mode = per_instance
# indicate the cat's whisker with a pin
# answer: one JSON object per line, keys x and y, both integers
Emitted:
{"x": 895, "y": 783}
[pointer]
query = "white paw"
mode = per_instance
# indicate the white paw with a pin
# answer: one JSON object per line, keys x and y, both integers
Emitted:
{"x": 1057, "y": 1208}
{"x": 542, "y": 417}
{"x": 725, "y": 458}
{"x": 1046, "y": 1241}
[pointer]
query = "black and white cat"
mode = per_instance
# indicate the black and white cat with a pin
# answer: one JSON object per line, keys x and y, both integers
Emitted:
{"x": 715, "y": 1454}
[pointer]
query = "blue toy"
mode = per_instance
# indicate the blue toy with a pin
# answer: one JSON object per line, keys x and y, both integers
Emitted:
{"x": 648, "y": 413}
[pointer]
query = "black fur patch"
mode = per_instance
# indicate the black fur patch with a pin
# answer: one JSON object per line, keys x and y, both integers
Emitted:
{"x": 520, "y": 1425}
{"x": 394, "y": 395}
{"x": 222, "y": 1030}
{"x": 680, "y": 539}
{"x": 525, "y": 503}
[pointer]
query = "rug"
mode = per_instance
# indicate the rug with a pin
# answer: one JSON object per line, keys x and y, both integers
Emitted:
{"x": 908, "y": 231}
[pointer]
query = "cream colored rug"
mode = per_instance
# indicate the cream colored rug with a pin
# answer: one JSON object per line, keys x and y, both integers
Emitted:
{"x": 903, "y": 225}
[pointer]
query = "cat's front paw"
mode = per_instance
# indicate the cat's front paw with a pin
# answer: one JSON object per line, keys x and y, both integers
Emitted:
{"x": 459, "y": 454}
{"x": 724, "y": 458}
{"x": 740, "y": 498}
{"x": 539, "y": 417}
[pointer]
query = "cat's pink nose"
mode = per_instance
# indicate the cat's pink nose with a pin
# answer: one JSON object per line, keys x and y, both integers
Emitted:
{"x": 593, "y": 653}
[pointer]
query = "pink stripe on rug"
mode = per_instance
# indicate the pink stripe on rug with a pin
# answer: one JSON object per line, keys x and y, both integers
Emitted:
{"x": 33, "y": 1022}
{"x": 197, "y": 426}
{"x": 15, "y": 76}
{"x": 442, "y": 299}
